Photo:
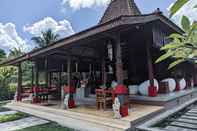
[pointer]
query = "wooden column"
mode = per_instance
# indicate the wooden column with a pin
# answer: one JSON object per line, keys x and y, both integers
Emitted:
{"x": 69, "y": 71}
{"x": 60, "y": 79}
{"x": 104, "y": 74}
{"x": 37, "y": 74}
{"x": 77, "y": 68}
{"x": 50, "y": 77}
{"x": 195, "y": 76}
{"x": 46, "y": 72}
{"x": 32, "y": 75}
{"x": 119, "y": 64}
{"x": 19, "y": 82}
{"x": 150, "y": 64}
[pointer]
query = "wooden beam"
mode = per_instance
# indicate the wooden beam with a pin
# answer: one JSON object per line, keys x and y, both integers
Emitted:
{"x": 19, "y": 82}
{"x": 119, "y": 64}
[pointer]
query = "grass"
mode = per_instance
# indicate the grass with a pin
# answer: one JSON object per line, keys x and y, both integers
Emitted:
{"x": 47, "y": 127}
{"x": 12, "y": 117}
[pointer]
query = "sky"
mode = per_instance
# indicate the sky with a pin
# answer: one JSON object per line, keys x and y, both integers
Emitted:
{"x": 20, "y": 20}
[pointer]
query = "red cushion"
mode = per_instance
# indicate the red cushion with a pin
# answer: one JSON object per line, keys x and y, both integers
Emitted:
{"x": 177, "y": 86}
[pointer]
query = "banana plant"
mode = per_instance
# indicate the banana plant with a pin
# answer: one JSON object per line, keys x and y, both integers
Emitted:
{"x": 178, "y": 5}
{"x": 181, "y": 48}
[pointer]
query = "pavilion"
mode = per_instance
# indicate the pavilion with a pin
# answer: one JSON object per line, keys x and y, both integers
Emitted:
{"x": 123, "y": 46}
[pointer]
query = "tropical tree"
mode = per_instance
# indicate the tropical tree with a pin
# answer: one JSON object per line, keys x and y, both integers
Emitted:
{"x": 6, "y": 74}
{"x": 16, "y": 52}
{"x": 46, "y": 38}
{"x": 182, "y": 47}
{"x": 2, "y": 54}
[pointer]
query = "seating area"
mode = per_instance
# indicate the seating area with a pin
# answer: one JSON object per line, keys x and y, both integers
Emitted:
{"x": 165, "y": 86}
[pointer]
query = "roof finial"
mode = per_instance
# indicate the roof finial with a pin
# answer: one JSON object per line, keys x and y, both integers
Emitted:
{"x": 158, "y": 11}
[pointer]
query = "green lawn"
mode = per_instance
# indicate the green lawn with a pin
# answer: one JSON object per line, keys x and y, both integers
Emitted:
{"x": 12, "y": 117}
{"x": 47, "y": 127}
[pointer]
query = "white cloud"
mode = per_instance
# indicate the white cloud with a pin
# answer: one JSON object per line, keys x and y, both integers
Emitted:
{"x": 10, "y": 39}
{"x": 63, "y": 28}
{"x": 78, "y": 4}
{"x": 186, "y": 10}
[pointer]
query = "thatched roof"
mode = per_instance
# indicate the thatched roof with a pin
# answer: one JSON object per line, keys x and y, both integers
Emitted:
{"x": 119, "y": 8}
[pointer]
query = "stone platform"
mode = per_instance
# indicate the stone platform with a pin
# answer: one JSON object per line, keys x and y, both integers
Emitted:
{"x": 167, "y": 100}
{"x": 89, "y": 119}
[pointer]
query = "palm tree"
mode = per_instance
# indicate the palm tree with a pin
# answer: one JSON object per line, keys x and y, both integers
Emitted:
{"x": 16, "y": 52}
{"x": 46, "y": 38}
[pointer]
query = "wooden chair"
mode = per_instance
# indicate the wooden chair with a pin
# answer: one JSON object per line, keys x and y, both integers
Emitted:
{"x": 103, "y": 98}
{"x": 164, "y": 88}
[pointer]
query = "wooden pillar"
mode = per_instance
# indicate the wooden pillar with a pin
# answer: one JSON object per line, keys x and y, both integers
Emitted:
{"x": 150, "y": 64}
{"x": 195, "y": 76}
{"x": 46, "y": 72}
{"x": 104, "y": 74}
{"x": 69, "y": 71}
{"x": 77, "y": 68}
{"x": 37, "y": 74}
{"x": 32, "y": 76}
{"x": 60, "y": 79}
{"x": 119, "y": 64}
{"x": 50, "y": 77}
{"x": 19, "y": 83}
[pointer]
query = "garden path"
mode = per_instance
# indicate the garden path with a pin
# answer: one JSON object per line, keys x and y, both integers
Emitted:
{"x": 22, "y": 123}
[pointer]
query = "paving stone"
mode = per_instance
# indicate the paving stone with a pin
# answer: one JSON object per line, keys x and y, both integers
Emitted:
{"x": 184, "y": 125}
{"x": 8, "y": 113}
{"x": 22, "y": 123}
{"x": 174, "y": 128}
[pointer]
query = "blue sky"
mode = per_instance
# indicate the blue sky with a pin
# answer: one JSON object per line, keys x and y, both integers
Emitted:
{"x": 25, "y": 17}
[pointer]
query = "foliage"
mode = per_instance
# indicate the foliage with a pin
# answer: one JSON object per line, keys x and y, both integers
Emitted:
{"x": 177, "y": 6}
{"x": 2, "y": 54}
{"x": 182, "y": 47}
{"x": 8, "y": 75}
{"x": 12, "y": 117}
{"x": 46, "y": 38}
{"x": 16, "y": 52}
{"x": 47, "y": 127}
{"x": 5, "y": 77}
